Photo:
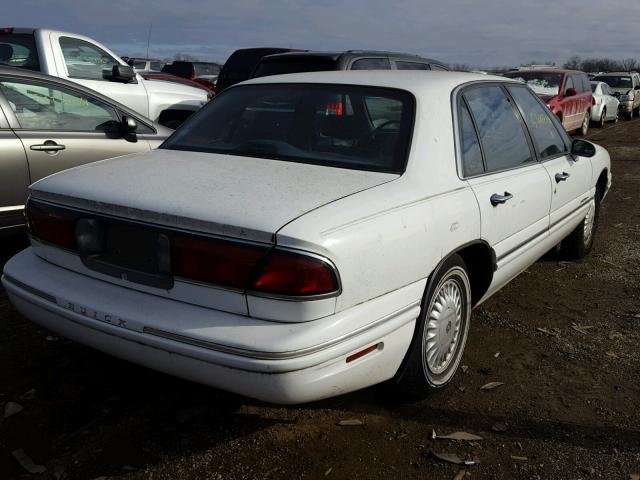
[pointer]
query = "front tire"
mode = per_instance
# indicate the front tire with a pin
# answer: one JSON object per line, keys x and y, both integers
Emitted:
{"x": 580, "y": 242}
{"x": 441, "y": 330}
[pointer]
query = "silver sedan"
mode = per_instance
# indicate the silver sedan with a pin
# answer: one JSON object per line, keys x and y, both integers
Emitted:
{"x": 605, "y": 107}
{"x": 48, "y": 124}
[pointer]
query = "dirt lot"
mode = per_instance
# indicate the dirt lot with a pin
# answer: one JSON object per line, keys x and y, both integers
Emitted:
{"x": 563, "y": 337}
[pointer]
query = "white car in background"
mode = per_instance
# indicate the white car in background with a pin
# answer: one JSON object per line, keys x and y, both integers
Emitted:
{"x": 307, "y": 235}
{"x": 82, "y": 60}
{"x": 605, "y": 105}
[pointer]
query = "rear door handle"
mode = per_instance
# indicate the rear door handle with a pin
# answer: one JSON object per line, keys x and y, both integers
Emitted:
{"x": 497, "y": 199}
{"x": 48, "y": 146}
{"x": 561, "y": 177}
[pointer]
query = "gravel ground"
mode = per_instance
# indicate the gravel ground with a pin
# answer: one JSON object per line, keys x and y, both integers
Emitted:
{"x": 563, "y": 337}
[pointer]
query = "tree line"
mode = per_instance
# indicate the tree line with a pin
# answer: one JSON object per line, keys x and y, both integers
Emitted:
{"x": 602, "y": 64}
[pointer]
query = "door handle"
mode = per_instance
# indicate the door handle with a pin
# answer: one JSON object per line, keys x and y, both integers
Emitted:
{"x": 561, "y": 177}
{"x": 497, "y": 199}
{"x": 48, "y": 146}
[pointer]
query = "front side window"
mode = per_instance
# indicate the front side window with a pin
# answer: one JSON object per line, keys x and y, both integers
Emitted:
{"x": 412, "y": 66}
{"x": 569, "y": 84}
{"x": 363, "y": 128}
{"x": 501, "y": 132}
{"x": 371, "y": 64}
{"x": 546, "y": 137}
{"x": 40, "y": 106}
{"x": 85, "y": 60}
{"x": 19, "y": 50}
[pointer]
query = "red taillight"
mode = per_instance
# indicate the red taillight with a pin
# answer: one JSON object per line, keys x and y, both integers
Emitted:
{"x": 288, "y": 273}
{"x": 51, "y": 224}
{"x": 6, "y": 30}
{"x": 215, "y": 261}
{"x": 334, "y": 108}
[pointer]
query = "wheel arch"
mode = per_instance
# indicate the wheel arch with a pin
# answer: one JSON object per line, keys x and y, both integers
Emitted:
{"x": 602, "y": 183}
{"x": 480, "y": 260}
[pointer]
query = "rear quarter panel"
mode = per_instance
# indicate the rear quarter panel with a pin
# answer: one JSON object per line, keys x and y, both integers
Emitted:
{"x": 395, "y": 234}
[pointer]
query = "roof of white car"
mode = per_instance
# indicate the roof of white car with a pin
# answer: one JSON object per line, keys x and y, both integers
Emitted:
{"x": 410, "y": 80}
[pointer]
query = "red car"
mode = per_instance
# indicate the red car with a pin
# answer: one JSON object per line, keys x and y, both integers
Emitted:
{"x": 567, "y": 93}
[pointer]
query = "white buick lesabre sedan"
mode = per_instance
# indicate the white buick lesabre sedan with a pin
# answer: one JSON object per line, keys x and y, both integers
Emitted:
{"x": 307, "y": 235}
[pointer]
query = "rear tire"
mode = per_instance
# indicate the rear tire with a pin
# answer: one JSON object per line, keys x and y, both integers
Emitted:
{"x": 584, "y": 129}
{"x": 441, "y": 331}
{"x": 579, "y": 243}
{"x": 603, "y": 117}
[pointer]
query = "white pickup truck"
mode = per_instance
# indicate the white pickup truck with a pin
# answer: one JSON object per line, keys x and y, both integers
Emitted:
{"x": 85, "y": 61}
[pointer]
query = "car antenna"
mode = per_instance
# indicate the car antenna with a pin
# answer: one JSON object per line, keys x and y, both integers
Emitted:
{"x": 149, "y": 38}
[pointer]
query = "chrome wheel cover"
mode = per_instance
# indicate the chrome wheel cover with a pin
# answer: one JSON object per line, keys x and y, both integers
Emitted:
{"x": 443, "y": 331}
{"x": 589, "y": 223}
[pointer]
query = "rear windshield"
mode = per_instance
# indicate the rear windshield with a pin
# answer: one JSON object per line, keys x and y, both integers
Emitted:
{"x": 355, "y": 127}
{"x": 542, "y": 83}
{"x": 294, "y": 65}
{"x": 19, "y": 50}
{"x": 206, "y": 69}
{"x": 616, "y": 81}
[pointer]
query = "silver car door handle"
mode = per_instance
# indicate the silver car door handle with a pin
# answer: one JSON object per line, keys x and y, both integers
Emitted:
{"x": 561, "y": 177}
{"x": 497, "y": 199}
{"x": 48, "y": 146}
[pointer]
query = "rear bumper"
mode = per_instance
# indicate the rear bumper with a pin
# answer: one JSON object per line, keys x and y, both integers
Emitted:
{"x": 212, "y": 347}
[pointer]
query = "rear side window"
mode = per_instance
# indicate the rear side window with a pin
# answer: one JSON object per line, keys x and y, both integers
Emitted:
{"x": 501, "y": 132}
{"x": 412, "y": 66}
{"x": 371, "y": 64}
{"x": 156, "y": 66}
{"x": 344, "y": 126}
{"x": 19, "y": 50}
{"x": 471, "y": 153}
{"x": 547, "y": 139}
{"x": 86, "y": 60}
{"x": 140, "y": 64}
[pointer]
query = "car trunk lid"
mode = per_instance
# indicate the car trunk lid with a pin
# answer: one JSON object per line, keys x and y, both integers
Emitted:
{"x": 234, "y": 196}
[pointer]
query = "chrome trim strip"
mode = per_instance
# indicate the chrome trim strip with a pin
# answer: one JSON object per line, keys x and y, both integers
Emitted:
{"x": 29, "y": 289}
{"x": 560, "y": 220}
{"x": 257, "y": 355}
{"x": 523, "y": 244}
{"x": 12, "y": 208}
{"x": 234, "y": 350}
{"x": 531, "y": 239}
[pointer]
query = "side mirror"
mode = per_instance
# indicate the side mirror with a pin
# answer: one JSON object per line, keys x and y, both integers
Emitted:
{"x": 129, "y": 125}
{"x": 570, "y": 92}
{"x": 637, "y": 87}
{"x": 123, "y": 74}
{"x": 582, "y": 148}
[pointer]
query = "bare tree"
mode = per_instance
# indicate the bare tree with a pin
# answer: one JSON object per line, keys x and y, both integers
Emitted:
{"x": 460, "y": 67}
{"x": 629, "y": 64}
{"x": 574, "y": 63}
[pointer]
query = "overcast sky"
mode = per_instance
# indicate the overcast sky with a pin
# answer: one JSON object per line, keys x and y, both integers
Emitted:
{"x": 475, "y": 32}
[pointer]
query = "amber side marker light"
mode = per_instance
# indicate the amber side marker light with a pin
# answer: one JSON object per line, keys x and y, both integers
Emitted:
{"x": 362, "y": 353}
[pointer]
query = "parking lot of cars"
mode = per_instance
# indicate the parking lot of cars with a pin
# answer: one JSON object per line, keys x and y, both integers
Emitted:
{"x": 562, "y": 337}
{"x": 356, "y": 240}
